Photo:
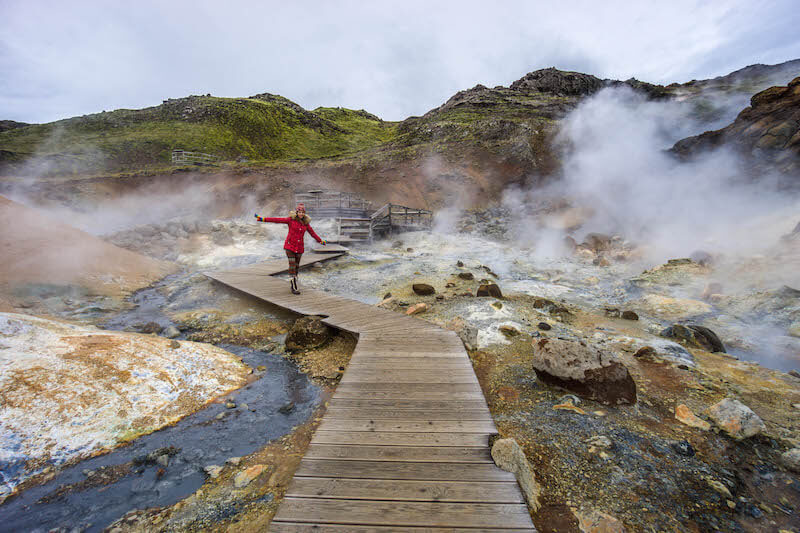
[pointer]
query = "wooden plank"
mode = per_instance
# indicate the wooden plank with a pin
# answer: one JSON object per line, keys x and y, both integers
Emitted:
{"x": 408, "y": 414}
{"x": 296, "y": 527}
{"x": 424, "y": 454}
{"x": 410, "y": 388}
{"x": 364, "y": 359}
{"x": 354, "y": 469}
{"x": 358, "y": 363}
{"x": 399, "y": 394}
{"x": 409, "y": 351}
{"x": 405, "y": 490}
{"x": 403, "y": 404}
{"x": 397, "y": 373}
{"x": 413, "y": 426}
{"x": 401, "y": 439}
{"x": 370, "y": 512}
{"x": 408, "y": 376}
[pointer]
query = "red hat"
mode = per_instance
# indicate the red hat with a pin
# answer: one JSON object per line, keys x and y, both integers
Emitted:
{"x": 300, "y": 206}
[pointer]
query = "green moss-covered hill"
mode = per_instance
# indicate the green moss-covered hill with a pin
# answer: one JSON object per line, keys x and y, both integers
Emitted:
{"x": 264, "y": 126}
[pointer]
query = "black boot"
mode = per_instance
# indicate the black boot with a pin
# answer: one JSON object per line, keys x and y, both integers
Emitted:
{"x": 294, "y": 286}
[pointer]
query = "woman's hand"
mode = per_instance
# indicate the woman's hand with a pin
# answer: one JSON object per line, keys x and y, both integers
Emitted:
{"x": 323, "y": 242}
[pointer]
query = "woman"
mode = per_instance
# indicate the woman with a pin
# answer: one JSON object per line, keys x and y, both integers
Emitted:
{"x": 298, "y": 223}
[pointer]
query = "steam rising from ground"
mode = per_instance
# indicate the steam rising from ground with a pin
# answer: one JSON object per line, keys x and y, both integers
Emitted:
{"x": 617, "y": 167}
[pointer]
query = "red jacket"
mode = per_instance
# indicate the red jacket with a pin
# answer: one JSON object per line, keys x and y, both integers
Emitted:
{"x": 297, "y": 230}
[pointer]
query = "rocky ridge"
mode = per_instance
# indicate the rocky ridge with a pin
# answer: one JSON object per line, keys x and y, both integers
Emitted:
{"x": 767, "y": 133}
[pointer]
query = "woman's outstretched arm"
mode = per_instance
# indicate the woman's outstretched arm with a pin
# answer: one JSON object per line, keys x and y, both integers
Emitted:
{"x": 317, "y": 237}
{"x": 277, "y": 220}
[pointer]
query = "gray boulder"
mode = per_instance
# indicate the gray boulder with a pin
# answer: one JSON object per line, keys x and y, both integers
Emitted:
{"x": 423, "y": 289}
{"x": 307, "y": 333}
{"x": 696, "y": 336}
{"x": 508, "y": 455}
{"x": 586, "y": 370}
{"x": 791, "y": 459}
{"x": 490, "y": 289}
{"x": 736, "y": 419}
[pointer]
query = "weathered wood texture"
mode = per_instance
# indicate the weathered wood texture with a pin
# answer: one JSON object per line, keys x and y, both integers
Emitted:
{"x": 404, "y": 443}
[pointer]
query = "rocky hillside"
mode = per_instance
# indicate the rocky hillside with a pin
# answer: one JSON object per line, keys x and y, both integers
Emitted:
{"x": 767, "y": 133}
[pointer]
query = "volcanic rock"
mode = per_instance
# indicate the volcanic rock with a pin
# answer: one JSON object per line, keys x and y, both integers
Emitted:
{"x": 416, "y": 309}
{"x": 508, "y": 331}
{"x": 213, "y": 471}
{"x": 629, "y": 315}
{"x": 468, "y": 334}
{"x": 508, "y": 455}
{"x": 307, "y": 333}
{"x": 645, "y": 351}
{"x": 489, "y": 289}
{"x": 594, "y": 521}
{"x": 150, "y": 327}
{"x": 683, "y": 447}
{"x": 791, "y": 460}
{"x": 558, "y": 82}
{"x": 423, "y": 289}
{"x": 551, "y": 307}
{"x": 466, "y": 275}
{"x": 246, "y": 477}
{"x": 597, "y": 242}
{"x": 685, "y": 415}
{"x": 583, "y": 369}
{"x": 673, "y": 308}
{"x": 697, "y": 336}
{"x": 736, "y": 419}
{"x": 767, "y": 133}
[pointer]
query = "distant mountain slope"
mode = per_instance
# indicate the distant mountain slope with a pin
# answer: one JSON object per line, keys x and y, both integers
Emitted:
{"x": 263, "y": 126}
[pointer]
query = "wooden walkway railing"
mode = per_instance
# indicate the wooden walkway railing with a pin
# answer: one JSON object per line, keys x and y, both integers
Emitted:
{"x": 403, "y": 445}
{"x": 392, "y": 218}
{"x": 182, "y": 157}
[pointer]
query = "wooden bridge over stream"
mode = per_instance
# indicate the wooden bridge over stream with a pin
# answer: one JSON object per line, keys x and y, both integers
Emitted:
{"x": 403, "y": 445}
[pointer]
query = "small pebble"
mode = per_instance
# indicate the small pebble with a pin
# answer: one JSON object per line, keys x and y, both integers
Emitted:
{"x": 683, "y": 448}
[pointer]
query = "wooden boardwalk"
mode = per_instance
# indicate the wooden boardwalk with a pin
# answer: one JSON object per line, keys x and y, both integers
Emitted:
{"x": 404, "y": 443}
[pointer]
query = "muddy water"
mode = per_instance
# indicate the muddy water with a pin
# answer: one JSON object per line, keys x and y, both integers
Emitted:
{"x": 79, "y": 499}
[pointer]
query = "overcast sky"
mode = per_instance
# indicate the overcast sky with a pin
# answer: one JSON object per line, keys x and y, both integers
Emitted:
{"x": 393, "y": 58}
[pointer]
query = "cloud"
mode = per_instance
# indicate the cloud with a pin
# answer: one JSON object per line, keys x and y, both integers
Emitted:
{"x": 392, "y": 58}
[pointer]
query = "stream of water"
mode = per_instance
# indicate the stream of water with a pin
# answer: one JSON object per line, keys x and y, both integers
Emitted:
{"x": 279, "y": 399}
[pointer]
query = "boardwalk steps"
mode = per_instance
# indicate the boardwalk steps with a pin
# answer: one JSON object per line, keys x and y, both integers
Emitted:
{"x": 403, "y": 445}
